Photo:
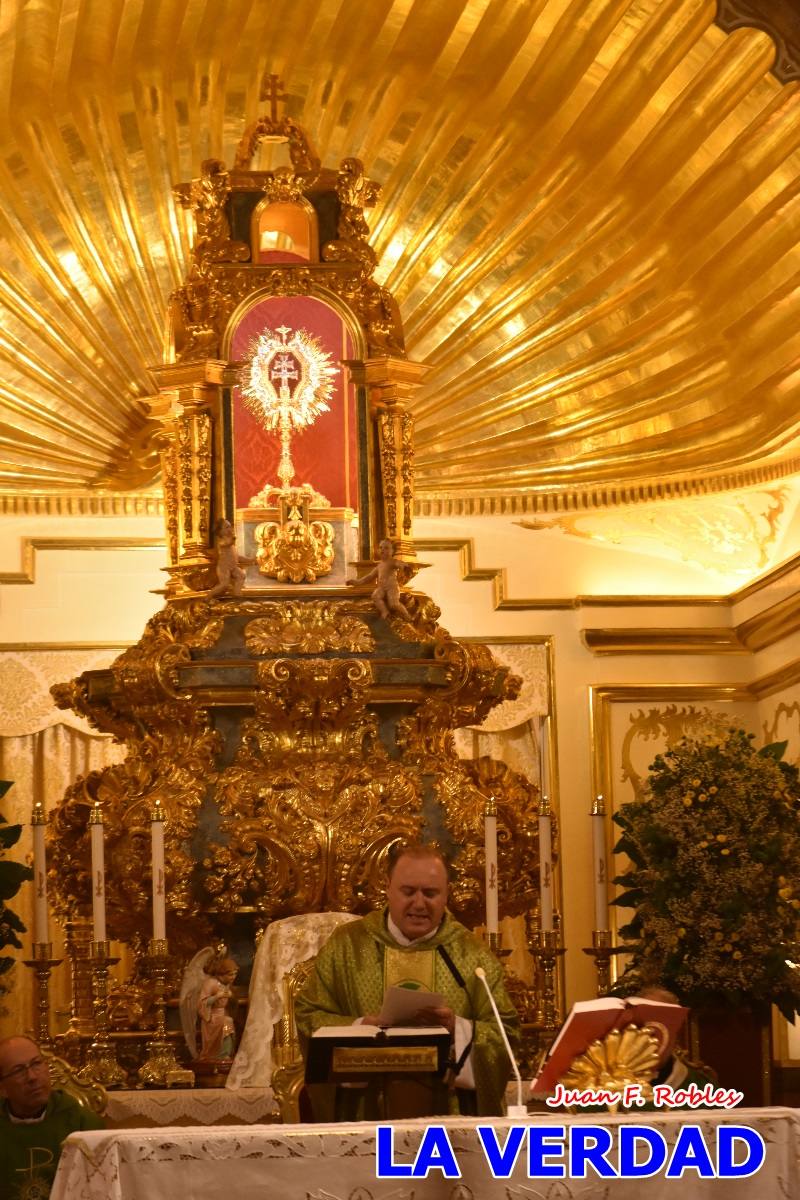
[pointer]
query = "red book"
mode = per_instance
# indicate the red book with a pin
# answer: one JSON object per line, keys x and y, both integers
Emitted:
{"x": 590, "y": 1020}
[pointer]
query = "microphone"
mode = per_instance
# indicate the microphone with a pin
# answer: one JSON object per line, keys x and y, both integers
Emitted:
{"x": 512, "y": 1110}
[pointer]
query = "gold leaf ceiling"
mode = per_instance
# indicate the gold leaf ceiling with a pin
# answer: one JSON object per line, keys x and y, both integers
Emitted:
{"x": 589, "y": 215}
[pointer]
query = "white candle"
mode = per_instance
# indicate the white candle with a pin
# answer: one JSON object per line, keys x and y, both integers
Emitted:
{"x": 490, "y": 854}
{"x": 39, "y": 822}
{"x": 600, "y": 867}
{"x": 98, "y": 874}
{"x": 159, "y": 889}
{"x": 544, "y": 757}
{"x": 545, "y": 865}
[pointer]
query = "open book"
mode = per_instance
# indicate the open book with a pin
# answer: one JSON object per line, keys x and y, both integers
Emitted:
{"x": 590, "y": 1020}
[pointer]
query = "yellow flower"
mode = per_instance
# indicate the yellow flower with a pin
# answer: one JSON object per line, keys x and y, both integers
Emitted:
{"x": 702, "y": 796}
{"x": 718, "y": 936}
{"x": 725, "y": 851}
{"x": 687, "y": 801}
{"x": 681, "y": 932}
{"x": 785, "y": 893}
{"x": 722, "y": 837}
{"x": 795, "y": 903}
{"x": 703, "y": 845}
{"x": 712, "y": 791}
{"x": 737, "y": 954}
{"x": 695, "y": 783}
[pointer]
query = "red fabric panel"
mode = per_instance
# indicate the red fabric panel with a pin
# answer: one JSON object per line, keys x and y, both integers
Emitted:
{"x": 325, "y": 453}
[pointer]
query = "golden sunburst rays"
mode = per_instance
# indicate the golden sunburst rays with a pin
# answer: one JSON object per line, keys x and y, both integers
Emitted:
{"x": 590, "y": 216}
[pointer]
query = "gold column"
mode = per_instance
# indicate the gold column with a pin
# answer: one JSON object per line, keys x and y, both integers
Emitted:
{"x": 188, "y": 409}
{"x": 391, "y": 383}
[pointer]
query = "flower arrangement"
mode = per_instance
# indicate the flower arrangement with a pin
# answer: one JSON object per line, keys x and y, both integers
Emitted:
{"x": 714, "y": 877}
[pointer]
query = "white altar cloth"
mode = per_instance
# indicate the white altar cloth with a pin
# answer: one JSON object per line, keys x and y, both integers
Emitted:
{"x": 338, "y": 1162}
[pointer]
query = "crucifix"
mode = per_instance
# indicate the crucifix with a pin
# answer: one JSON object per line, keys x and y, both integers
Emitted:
{"x": 271, "y": 89}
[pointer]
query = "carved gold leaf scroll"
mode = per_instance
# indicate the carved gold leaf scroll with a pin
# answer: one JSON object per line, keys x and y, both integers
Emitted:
{"x": 308, "y": 628}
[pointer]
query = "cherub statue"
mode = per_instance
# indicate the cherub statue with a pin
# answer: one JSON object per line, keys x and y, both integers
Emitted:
{"x": 386, "y": 596}
{"x": 206, "y": 990}
{"x": 229, "y": 570}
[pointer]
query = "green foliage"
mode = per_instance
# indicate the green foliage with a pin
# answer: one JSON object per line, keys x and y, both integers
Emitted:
{"x": 12, "y": 876}
{"x": 714, "y": 875}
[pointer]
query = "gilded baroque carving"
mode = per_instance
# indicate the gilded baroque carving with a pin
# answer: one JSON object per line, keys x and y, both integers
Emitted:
{"x": 355, "y": 193}
{"x": 407, "y": 470}
{"x": 424, "y": 614}
{"x": 386, "y": 425}
{"x": 284, "y": 185}
{"x": 517, "y": 803}
{"x": 784, "y": 725}
{"x": 174, "y": 762}
{"x": 313, "y": 698}
{"x": 105, "y": 716}
{"x": 207, "y": 197}
{"x": 169, "y": 479}
{"x": 185, "y": 465}
{"x": 316, "y": 839}
{"x": 295, "y": 551}
{"x": 312, "y": 800}
{"x": 301, "y": 153}
{"x": 198, "y": 306}
{"x": 308, "y": 628}
{"x": 665, "y": 726}
{"x": 203, "y": 473}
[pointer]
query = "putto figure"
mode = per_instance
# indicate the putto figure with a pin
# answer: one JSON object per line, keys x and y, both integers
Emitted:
{"x": 386, "y": 596}
{"x": 229, "y": 570}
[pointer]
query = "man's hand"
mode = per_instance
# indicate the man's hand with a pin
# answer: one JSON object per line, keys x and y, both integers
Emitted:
{"x": 370, "y": 1019}
{"x": 437, "y": 1016}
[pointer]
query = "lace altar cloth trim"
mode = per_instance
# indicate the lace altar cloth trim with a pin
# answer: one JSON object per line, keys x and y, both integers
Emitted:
{"x": 337, "y": 1162}
{"x": 191, "y": 1106}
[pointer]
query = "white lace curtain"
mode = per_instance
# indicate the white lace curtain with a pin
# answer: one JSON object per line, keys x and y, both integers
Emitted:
{"x": 42, "y": 751}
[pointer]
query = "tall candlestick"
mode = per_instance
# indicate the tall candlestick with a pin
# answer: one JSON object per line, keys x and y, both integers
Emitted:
{"x": 600, "y": 868}
{"x": 490, "y": 850}
{"x": 159, "y": 889}
{"x": 98, "y": 874}
{"x": 545, "y": 865}
{"x": 39, "y": 822}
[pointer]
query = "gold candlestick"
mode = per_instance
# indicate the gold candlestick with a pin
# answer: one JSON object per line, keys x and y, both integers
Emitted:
{"x": 42, "y": 964}
{"x": 161, "y": 1068}
{"x": 546, "y": 950}
{"x": 101, "y": 1060}
{"x": 602, "y": 952}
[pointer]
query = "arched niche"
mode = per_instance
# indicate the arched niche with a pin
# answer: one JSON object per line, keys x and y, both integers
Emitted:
{"x": 284, "y": 231}
{"x": 326, "y": 454}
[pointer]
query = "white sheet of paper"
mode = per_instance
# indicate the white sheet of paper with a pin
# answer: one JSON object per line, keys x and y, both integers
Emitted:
{"x": 401, "y": 1005}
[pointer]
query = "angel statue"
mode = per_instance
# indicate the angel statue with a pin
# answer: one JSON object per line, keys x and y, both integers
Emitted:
{"x": 206, "y": 990}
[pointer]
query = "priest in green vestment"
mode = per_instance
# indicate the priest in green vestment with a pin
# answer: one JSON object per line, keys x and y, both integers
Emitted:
{"x": 415, "y": 942}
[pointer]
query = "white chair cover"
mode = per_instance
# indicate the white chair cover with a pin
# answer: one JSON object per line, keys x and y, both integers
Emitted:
{"x": 284, "y": 944}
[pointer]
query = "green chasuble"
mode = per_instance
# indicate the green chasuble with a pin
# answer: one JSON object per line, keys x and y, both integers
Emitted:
{"x": 29, "y": 1150}
{"x": 348, "y": 981}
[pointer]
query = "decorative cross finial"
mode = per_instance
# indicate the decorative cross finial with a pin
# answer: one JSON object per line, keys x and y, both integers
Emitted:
{"x": 272, "y": 90}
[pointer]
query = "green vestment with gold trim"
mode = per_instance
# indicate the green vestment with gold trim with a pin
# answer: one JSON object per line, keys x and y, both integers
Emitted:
{"x": 349, "y": 977}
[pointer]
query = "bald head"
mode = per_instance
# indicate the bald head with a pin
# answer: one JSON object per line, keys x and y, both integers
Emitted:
{"x": 24, "y": 1076}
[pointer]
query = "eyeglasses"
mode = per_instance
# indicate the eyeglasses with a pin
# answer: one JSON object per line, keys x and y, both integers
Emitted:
{"x": 35, "y": 1064}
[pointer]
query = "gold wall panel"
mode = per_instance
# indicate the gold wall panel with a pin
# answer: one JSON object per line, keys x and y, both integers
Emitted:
{"x": 589, "y": 216}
